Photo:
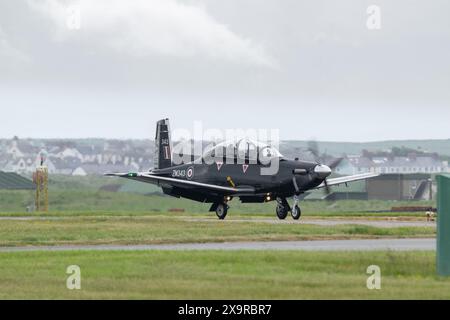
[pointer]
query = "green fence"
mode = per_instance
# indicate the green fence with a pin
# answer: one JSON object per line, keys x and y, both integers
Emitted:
{"x": 443, "y": 226}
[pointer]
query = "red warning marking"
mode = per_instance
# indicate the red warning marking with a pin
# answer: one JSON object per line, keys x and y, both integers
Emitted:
{"x": 244, "y": 167}
{"x": 219, "y": 165}
{"x": 166, "y": 153}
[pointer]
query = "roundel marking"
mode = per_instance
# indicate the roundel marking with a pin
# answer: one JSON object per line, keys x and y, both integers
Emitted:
{"x": 190, "y": 173}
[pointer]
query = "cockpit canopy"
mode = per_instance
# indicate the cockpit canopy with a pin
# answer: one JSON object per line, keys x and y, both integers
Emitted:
{"x": 242, "y": 149}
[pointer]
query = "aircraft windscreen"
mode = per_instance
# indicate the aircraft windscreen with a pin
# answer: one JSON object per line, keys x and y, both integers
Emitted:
{"x": 243, "y": 148}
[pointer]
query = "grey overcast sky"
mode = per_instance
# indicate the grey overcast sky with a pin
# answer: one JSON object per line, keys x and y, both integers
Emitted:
{"x": 312, "y": 69}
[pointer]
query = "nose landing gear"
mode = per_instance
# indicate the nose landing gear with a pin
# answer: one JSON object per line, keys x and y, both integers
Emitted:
{"x": 296, "y": 212}
{"x": 283, "y": 208}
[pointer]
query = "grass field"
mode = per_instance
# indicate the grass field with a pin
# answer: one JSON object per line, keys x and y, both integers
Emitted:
{"x": 220, "y": 275}
{"x": 83, "y": 195}
{"x": 87, "y": 200}
{"x": 152, "y": 229}
{"x": 81, "y": 214}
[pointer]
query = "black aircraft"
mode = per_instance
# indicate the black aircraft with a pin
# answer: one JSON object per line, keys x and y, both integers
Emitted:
{"x": 234, "y": 170}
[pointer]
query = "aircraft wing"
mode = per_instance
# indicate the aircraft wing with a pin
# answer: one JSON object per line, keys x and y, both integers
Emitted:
{"x": 161, "y": 181}
{"x": 341, "y": 180}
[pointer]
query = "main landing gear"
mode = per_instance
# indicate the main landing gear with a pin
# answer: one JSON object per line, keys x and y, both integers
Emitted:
{"x": 283, "y": 208}
{"x": 221, "y": 209}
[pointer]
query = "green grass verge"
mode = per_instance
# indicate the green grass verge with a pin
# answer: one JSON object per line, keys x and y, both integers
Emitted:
{"x": 180, "y": 229}
{"x": 220, "y": 275}
{"x": 83, "y": 201}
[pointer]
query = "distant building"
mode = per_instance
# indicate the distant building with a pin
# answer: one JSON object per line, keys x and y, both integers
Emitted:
{"x": 65, "y": 166}
{"x": 386, "y": 187}
{"x": 96, "y": 156}
{"x": 400, "y": 165}
{"x": 70, "y": 153}
{"x": 14, "y": 150}
{"x": 26, "y": 165}
{"x": 400, "y": 187}
{"x": 79, "y": 172}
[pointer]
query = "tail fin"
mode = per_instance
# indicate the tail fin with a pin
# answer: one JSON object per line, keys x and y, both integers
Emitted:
{"x": 163, "y": 148}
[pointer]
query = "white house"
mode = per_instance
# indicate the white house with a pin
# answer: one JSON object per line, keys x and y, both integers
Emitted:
{"x": 69, "y": 153}
{"x": 383, "y": 165}
{"x": 14, "y": 150}
{"x": 79, "y": 172}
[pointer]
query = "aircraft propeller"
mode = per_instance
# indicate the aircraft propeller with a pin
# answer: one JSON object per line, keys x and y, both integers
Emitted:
{"x": 321, "y": 170}
{"x": 313, "y": 148}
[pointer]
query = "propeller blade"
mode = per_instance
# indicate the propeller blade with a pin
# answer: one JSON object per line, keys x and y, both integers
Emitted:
{"x": 327, "y": 188}
{"x": 327, "y": 191}
{"x": 335, "y": 163}
{"x": 313, "y": 148}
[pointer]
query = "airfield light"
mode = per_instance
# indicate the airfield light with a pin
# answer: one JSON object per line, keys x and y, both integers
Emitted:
{"x": 268, "y": 197}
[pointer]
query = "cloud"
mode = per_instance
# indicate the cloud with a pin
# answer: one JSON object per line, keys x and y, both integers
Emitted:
{"x": 9, "y": 55}
{"x": 143, "y": 28}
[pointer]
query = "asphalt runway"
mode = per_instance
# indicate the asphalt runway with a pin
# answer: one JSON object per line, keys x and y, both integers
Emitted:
{"x": 380, "y": 223}
{"x": 316, "y": 245}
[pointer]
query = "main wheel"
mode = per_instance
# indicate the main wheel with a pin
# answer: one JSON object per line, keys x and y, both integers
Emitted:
{"x": 281, "y": 212}
{"x": 221, "y": 211}
{"x": 296, "y": 212}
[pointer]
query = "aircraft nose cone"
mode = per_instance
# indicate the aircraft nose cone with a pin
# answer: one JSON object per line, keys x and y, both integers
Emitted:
{"x": 322, "y": 171}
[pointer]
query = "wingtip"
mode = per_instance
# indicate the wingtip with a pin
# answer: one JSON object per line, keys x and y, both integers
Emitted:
{"x": 124, "y": 175}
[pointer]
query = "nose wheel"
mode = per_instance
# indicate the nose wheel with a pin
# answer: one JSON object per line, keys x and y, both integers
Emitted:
{"x": 296, "y": 212}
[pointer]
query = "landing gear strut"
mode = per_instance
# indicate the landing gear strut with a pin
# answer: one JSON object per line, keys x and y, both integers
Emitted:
{"x": 296, "y": 212}
{"x": 282, "y": 208}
